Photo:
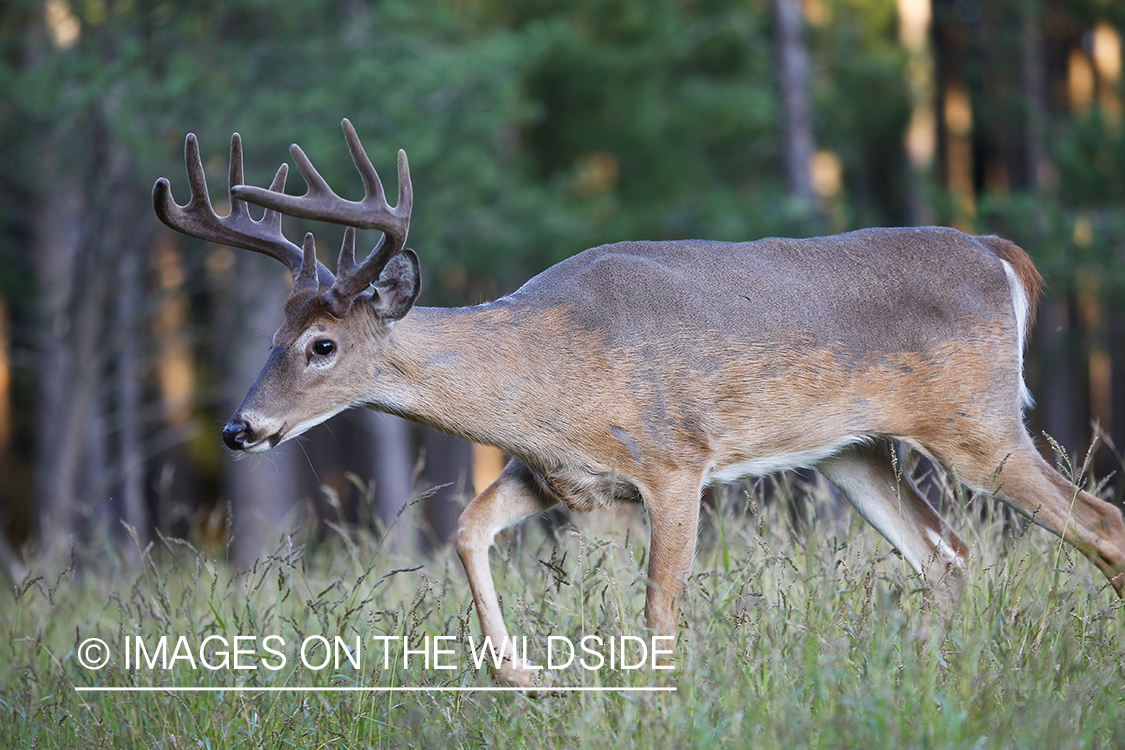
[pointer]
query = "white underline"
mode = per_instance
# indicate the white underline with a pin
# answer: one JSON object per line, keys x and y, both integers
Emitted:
{"x": 398, "y": 689}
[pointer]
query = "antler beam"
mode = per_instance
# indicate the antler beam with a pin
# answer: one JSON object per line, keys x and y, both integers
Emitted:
{"x": 323, "y": 204}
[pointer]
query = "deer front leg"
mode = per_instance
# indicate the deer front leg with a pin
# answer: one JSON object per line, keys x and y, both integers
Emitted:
{"x": 507, "y": 501}
{"x": 671, "y": 550}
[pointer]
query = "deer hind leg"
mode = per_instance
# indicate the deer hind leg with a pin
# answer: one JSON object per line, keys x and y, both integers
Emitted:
{"x": 890, "y": 502}
{"x": 1016, "y": 474}
{"x": 513, "y": 497}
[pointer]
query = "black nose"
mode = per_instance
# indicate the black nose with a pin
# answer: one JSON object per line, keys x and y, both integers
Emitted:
{"x": 235, "y": 434}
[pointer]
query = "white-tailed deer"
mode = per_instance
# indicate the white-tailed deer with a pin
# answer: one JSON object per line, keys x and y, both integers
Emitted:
{"x": 645, "y": 371}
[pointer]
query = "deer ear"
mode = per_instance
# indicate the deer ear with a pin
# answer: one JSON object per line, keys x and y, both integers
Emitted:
{"x": 398, "y": 286}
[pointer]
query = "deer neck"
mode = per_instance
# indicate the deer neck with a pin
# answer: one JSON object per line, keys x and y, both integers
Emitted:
{"x": 457, "y": 370}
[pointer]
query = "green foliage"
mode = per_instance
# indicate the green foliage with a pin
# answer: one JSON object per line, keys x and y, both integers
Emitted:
{"x": 1090, "y": 154}
{"x": 535, "y": 128}
{"x": 660, "y": 123}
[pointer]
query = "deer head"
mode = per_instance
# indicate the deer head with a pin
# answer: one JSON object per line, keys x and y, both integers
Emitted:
{"x": 317, "y": 364}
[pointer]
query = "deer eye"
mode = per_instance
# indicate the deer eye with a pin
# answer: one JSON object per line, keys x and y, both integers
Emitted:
{"x": 323, "y": 347}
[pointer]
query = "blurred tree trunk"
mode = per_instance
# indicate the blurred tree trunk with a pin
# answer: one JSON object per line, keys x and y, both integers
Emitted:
{"x": 132, "y": 508}
{"x": 63, "y": 396}
{"x": 1033, "y": 175}
{"x": 1116, "y": 331}
{"x": 953, "y": 107}
{"x": 125, "y": 231}
{"x": 1059, "y": 402}
{"x": 391, "y": 466}
{"x": 915, "y": 21}
{"x": 793, "y": 87}
{"x": 9, "y": 558}
{"x": 6, "y": 494}
{"x": 448, "y": 466}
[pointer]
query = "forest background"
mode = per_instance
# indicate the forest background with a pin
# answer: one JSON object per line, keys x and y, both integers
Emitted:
{"x": 535, "y": 129}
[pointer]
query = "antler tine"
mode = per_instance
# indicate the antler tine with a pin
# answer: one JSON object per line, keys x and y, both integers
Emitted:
{"x": 346, "y": 264}
{"x": 405, "y": 189}
{"x": 197, "y": 180}
{"x": 277, "y": 186}
{"x": 318, "y": 186}
{"x": 198, "y": 218}
{"x": 235, "y": 174}
{"x": 306, "y": 280}
{"x": 372, "y": 185}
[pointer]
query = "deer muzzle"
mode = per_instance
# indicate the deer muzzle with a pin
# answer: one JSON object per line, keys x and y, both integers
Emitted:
{"x": 240, "y": 436}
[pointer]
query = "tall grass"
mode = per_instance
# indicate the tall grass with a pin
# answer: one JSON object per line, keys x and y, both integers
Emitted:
{"x": 817, "y": 639}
